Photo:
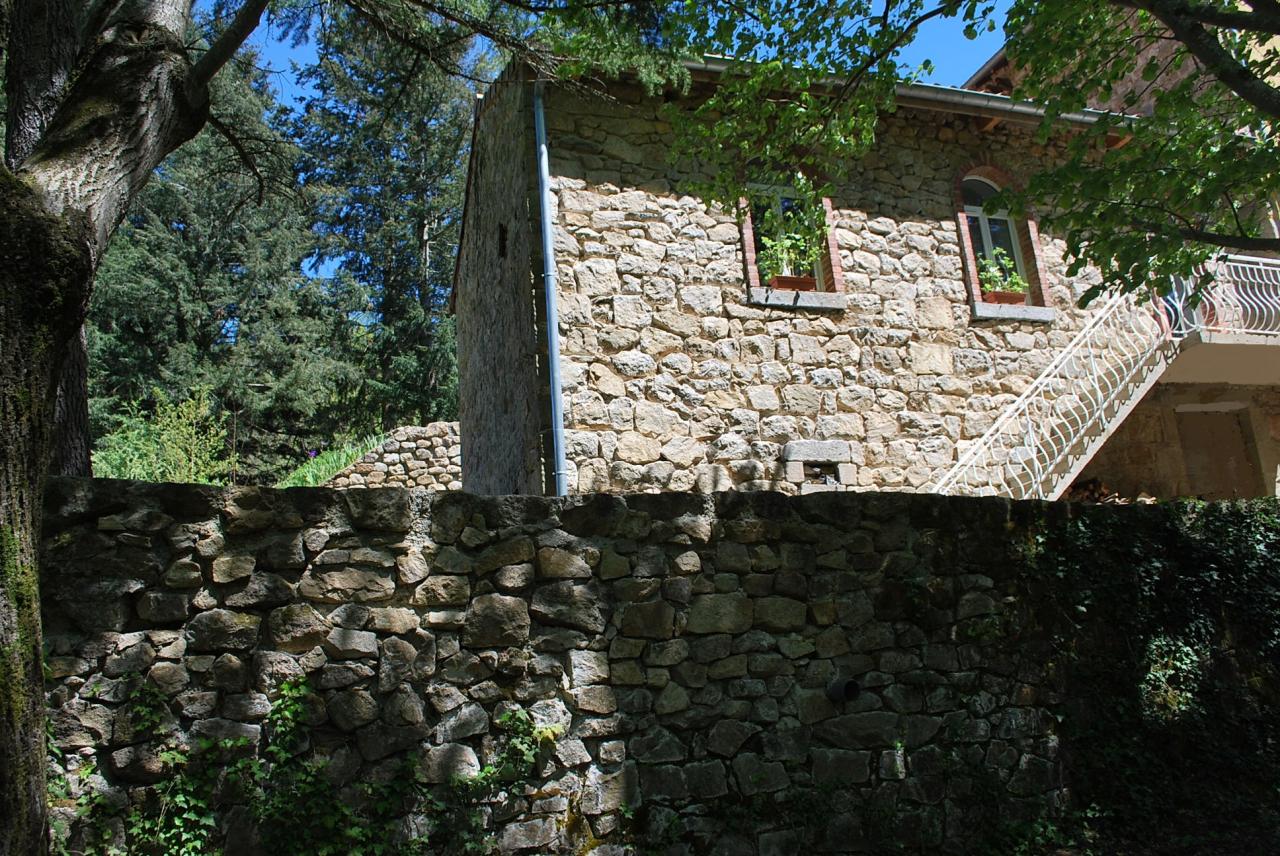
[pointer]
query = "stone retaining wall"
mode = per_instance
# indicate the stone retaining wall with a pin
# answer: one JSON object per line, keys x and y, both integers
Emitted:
{"x": 704, "y": 655}
{"x": 429, "y": 456}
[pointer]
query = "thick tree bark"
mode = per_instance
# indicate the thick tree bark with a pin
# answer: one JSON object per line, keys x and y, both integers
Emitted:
{"x": 45, "y": 272}
{"x": 71, "y": 440}
{"x": 131, "y": 101}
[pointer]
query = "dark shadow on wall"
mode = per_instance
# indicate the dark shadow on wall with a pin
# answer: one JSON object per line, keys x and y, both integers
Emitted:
{"x": 1168, "y": 635}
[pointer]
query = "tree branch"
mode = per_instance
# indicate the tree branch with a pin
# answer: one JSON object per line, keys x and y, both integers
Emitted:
{"x": 246, "y": 157}
{"x": 242, "y": 25}
{"x": 1265, "y": 20}
{"x": 1206, "y": 48}
{"x": 1215, "y": 239}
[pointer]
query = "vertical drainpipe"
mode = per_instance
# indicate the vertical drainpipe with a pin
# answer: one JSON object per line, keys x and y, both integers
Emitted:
{"x": 549, "y": 287}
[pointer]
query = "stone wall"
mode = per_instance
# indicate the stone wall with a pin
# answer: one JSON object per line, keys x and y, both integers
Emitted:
{"x": 740, "y": 673}
{"x": 1148, "y": 453}
{"x": 687, "y": 645}
{"x": 499, "y": 377}
{"x": 428, "y": 456}
{"x": 678, "y": 378}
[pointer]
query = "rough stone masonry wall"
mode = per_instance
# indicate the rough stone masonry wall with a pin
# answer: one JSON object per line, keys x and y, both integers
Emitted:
{"x": 684, "y": 643}
{"x": 428, "y": 456}
{"x": 675, "y": 380}
{"x": 498, "y": 371}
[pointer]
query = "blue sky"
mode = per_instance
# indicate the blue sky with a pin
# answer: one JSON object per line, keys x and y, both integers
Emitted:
{"x": 942, "y": 41}
{"x": 954, "y": 57}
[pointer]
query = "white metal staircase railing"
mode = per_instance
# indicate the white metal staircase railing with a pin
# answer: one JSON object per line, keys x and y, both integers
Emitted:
{"x": 1042, "y": 441}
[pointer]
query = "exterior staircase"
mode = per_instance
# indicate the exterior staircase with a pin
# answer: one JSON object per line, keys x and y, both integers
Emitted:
{"x": 1040, "y": 443}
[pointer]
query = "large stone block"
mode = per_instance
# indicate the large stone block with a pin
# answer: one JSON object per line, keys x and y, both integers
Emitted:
{"x": 443, "y": 764}
{"x": 568, "y": 604}
{"x": 650, "y": 620}
{"x": 297, "y": 628}
{"x": 347, "y": 585}
{"x": 817, "y": 451}
{"x": 495, "y": 620}
{"x": 221, "y": 629}
{"x": 720, "y": 613}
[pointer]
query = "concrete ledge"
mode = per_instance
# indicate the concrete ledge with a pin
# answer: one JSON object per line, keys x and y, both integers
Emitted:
{"x": 1013, "y": 312}
{"x": 823, "y": 301}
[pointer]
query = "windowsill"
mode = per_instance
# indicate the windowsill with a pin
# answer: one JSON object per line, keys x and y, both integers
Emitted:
{"x": 1013, "y": 312}
{"x": 823, "y": 301}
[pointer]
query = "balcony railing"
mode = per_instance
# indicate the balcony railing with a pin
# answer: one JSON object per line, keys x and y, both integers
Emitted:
{"x": 1244, "y": 298}
{"x": 1039, "y": 444}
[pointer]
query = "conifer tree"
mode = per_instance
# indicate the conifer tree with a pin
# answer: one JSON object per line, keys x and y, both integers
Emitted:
{"x": 204, "y": 288}
{"x": 383, "y": 145}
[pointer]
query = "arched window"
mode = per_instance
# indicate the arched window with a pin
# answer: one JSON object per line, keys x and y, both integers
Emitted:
{"x": 1000, "y": 253}
{"x": 991, "y": 234}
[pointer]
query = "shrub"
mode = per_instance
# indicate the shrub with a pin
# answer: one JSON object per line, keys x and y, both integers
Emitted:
{"x": 181, "y": 441}
{"x": 322, "y": 466}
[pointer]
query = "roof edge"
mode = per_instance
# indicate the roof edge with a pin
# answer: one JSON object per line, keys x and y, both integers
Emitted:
{"x": 949, "y": 99}
{"x": 985, "y": 70}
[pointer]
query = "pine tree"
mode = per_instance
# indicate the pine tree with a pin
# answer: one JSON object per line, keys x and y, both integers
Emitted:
{"x": 203, "y": 288}
{"x": 384, "y": 142}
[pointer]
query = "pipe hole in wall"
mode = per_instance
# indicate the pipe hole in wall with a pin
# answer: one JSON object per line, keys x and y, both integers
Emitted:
{"x": 843, "y": 689}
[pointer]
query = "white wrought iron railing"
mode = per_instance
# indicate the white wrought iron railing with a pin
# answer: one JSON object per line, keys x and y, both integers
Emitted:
{"x": 1045, "y": 437}
{"x": 1244, "y": 298}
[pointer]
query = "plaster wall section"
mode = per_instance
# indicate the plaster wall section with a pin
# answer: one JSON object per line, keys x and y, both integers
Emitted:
{"x": 675, "y": 379}
{"x": 498, "y": 348}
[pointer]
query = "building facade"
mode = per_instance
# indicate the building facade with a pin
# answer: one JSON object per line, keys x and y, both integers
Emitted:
{"x": 683, "y": 365}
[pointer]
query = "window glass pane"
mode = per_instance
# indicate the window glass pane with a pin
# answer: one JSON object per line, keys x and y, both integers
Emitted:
{"x": 975, "y": 192}
{"x": 758, "y": 221}
{"x": 778, "y": 223}
{"x": 1002, "y": 238}
{"x": 980, "y": 248}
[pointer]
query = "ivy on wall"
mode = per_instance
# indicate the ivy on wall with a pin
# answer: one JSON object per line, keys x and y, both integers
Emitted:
{"x": 1166, "y": 625}
{"x": 295, "y": 808}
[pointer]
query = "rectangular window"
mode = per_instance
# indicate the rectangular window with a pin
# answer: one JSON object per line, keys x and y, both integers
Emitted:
{"x": 789, "y": 239}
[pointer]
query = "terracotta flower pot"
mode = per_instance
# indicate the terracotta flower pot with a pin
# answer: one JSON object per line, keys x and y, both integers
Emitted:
{"x": 794, "y": 283}
{"x": 1013, "y": 297}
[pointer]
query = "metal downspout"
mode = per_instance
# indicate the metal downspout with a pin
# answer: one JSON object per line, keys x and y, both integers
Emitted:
{"x": 549, "y": 288}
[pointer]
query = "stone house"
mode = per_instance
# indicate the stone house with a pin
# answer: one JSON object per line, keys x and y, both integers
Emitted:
{"x": 674, "y": 360}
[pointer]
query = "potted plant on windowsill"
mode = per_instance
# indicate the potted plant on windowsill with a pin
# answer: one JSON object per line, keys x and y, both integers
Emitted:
{"x": 782, "y": 258}
{"x": 999, "y": 280}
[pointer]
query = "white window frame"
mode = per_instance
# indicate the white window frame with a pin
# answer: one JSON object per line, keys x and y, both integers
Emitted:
{"x": 778, "y": 192}
{"x": 987, "y": 250}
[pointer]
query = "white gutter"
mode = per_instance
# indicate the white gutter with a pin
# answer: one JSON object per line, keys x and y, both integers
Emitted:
{"x": 948, "y": 99}
{"x": 549, "y": 288}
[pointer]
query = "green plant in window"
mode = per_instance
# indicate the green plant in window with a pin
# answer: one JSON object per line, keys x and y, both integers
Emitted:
{"x": 1000, "y": 273}
{"x": 788, "y": 254}
{"x": 791, "y": 230}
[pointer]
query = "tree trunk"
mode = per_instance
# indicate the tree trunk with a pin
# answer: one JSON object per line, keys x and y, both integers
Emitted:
{"x": 45, "y": 275}
{"x": 132, "y": 101}
{"x": 71, "y": 441}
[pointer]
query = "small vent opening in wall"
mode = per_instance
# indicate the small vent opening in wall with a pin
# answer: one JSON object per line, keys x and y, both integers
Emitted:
{"x": 823, "y": 473}
{"x": 502, "y": 240}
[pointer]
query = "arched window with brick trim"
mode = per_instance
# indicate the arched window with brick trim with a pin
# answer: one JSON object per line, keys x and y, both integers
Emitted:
{"x": 1000, "y": 252}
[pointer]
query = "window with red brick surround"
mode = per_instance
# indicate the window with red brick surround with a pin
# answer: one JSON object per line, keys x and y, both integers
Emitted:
{"x": 1025, "y": 233}
{"x": 831, "y": 273}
